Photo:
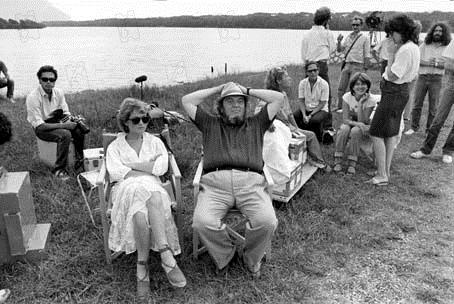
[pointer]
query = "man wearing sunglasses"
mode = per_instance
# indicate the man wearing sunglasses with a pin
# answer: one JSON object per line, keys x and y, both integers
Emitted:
{"x": 42, "y": 103}
{"x": 356, "y": 48}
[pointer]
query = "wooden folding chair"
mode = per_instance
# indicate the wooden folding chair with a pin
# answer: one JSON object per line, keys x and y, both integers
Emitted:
{"x": 172, "y": 185}
{"x": 234, "y": 220}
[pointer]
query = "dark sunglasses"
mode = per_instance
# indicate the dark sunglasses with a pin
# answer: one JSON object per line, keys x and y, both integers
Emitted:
{"x": 45, "y": 79}
{"x": 136, "y": 120}
{"x": 314, "y": 70}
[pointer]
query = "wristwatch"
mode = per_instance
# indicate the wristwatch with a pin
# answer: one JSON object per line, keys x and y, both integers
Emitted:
{"x": 247, "y": 90}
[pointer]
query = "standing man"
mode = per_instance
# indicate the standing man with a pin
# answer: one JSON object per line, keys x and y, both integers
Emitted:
{"x": 232, "y": 171}
{"x": 6, "y": 81}
{"x": 356, "y": 49}
{"x": 313, "y": 94}
{"x": 41, "y": 105}
{"x": 430, "y": 74}
{"x": 318, "y": 43}
{"x": 446, "y": 103}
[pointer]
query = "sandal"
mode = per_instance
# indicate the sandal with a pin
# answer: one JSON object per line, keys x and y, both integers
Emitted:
{"x": 253, "y": 270}
{"x": 351, "y": 170}
{"x": 143, "y": 284}
{"x": 174, "y": 274}
{"x": 377, "y": 182}
{"x": 61, "y": 174}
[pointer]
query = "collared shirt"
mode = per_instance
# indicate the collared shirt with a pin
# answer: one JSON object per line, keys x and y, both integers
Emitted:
{"x": 39, "y": 107}
{"x": 406, "y": 63}
{"x": 428, "y": 51}
{"x": 353, "y": 104}
{"x": 382, "y": 48}
{"x": 313, "y": 97}
{"x": 359, "y": 51}
{"x": 449, "y": 50}
{"x": 318, "y": 43}
{"x": 234, "y": 146}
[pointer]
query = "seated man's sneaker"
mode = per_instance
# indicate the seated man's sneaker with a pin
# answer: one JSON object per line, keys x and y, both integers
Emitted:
{"x": 418, "y": 154}
{"x": 409, "y": 132}
{"x": 447, "y": 159}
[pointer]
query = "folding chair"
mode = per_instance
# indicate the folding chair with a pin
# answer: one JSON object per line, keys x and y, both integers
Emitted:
{"x": 172, "y": 185}
{"x": 233, "y": 221}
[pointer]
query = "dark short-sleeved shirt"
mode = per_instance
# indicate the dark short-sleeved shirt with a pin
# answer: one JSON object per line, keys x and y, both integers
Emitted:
{"x": 3, "y": 68}
{"x": 233, "y": 146}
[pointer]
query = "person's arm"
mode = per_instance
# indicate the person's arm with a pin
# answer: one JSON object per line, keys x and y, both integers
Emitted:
{"x": 340, "y": 47}
{"x": 157, "y": 164}
{"x": 274, "y": 99}
{"x": 392, "y": 51}
{"x": 367, "y": 54}
{"x": 302, "y": 106}
{"x": 320, "y": 107}
{"x": 192, "y": 100}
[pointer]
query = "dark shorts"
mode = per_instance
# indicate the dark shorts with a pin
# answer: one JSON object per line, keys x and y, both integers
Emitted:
{"x": 386, "y": 121}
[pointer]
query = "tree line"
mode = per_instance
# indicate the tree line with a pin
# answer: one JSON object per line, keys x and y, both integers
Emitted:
{"x": 340, "y": 21}
{"x": 21, "y": 24}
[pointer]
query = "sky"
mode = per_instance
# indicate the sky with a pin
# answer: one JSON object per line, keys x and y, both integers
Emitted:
{"x": 98, "y": 9}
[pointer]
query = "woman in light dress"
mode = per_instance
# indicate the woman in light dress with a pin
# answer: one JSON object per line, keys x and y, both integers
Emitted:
{"x": 357, "y": 107}
{"x": 141, "y": 211}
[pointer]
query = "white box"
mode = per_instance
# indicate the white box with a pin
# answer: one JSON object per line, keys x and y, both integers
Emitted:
{"x": 93, "y": 159}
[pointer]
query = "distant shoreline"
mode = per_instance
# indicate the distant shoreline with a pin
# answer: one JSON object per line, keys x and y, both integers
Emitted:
{"x": 297, "y": 21}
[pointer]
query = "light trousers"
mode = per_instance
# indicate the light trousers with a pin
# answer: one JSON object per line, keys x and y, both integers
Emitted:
{"x": 219, "y": 192}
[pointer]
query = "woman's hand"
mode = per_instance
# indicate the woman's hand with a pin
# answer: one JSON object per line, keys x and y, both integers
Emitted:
{"x": 364, "y": 98}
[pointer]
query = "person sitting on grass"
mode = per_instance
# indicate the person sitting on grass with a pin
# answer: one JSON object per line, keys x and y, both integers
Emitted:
{"x": 141, "y": 211}
{"x": 278, "y": 79}
{"x": 5, "y": 136}
{"x": 233, "y": 172}
{"x": 313, "y": 94}
{"x": 357, "y": 106}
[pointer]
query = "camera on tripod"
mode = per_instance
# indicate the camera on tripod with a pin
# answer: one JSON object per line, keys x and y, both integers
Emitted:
{"x": 374, "y": 20}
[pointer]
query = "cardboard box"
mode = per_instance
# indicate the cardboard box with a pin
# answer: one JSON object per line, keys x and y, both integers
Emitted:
{"x": 297, "y": 149}
{"x": 295, "y": 180}
{"x": 93, "y": 159}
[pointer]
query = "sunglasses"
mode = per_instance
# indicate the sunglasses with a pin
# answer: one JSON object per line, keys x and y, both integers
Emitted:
{"x": 356, "y": 24}
{"x": 314, "y": 70}
{"x": 45, "y": 79}
{"x": 136, "y": 120}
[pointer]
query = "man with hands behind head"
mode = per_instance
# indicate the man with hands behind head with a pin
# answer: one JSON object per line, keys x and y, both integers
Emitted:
{"x": 232, "y": 171}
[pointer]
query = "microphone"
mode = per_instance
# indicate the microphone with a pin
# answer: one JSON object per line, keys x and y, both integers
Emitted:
{"x": 141, "y": 78}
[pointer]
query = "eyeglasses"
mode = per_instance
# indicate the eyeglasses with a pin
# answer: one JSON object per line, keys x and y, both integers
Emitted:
{"x": 356, "y": 24}
{"x": 136, "y": 120}
{"x": 45, "y": 79}
{"x": 313, "y": 70}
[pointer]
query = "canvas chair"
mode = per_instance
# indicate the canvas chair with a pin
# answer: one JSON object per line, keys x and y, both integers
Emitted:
{"x": 234, "y": 220}
{"x": 172, "y": 184}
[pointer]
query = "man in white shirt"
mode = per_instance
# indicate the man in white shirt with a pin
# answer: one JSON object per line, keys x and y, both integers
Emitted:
{"x": 356, "y": 48}
{"x": 41, "y": 105}
{"x": 431, "y": 70}
{"x": 444, "y": 107}
{"x": 313, "y": 94}
{"x": 318, "y": 43}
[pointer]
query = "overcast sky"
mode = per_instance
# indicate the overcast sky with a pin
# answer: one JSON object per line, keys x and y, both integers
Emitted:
{"x": 96, "y": 9}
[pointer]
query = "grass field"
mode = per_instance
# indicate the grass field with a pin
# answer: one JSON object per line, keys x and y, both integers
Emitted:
{"x": 338, "y": 241}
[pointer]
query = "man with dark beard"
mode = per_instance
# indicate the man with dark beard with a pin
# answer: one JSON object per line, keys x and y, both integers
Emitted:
{"x": 431, "y": 70}
{"x": 232, "y": 171}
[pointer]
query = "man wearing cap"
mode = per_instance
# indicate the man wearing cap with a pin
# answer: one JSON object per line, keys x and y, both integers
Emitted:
{"x": 356, "y": 48}
{"x": 232, "y": 171}
{"x": 318, "y": 43}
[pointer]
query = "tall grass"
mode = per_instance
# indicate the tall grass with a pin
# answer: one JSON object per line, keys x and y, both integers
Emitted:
{"x": 338, "y": 241}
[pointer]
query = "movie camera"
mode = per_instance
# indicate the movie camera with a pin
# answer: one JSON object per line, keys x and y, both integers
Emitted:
{"x": 374, "y": 20}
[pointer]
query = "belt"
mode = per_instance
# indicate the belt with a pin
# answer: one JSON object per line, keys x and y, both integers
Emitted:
{"x": 245, "y": 169}
{"x": 449, "y": 72}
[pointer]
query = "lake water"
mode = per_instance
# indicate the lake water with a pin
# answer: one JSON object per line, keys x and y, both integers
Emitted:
{"x": 101, "y": 57}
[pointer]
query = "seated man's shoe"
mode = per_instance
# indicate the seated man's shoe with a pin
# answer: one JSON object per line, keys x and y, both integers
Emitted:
{"x": 447, "y": 159}
{"x": 418, "y": 154}
{"x": 61, "y": 174}
{"x": 253, "y": 270}
{"x": 173, "y": 272}
{"x": 337, "y": 168}
{"x": 143, "y": 284}
{"x": 409, "y": 132}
